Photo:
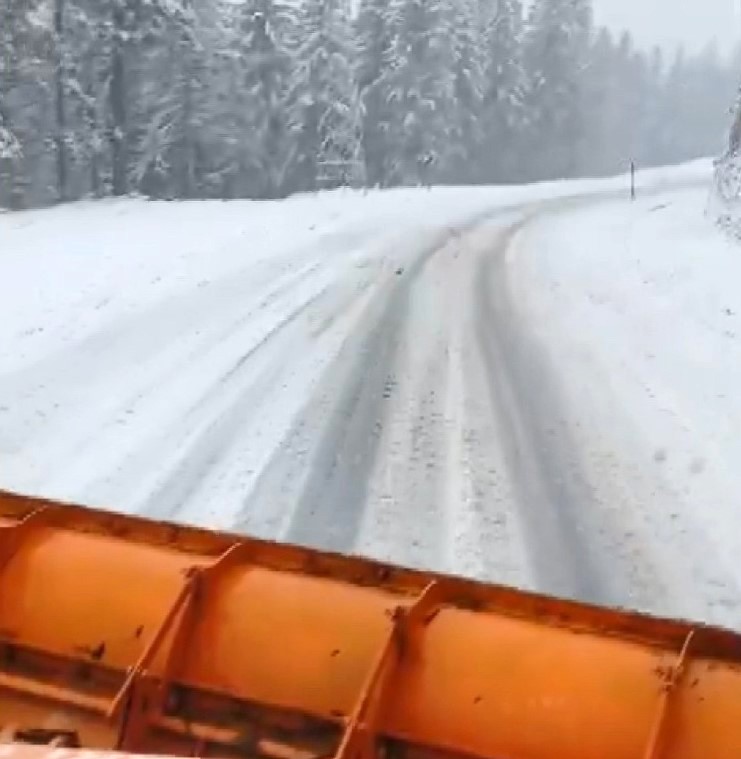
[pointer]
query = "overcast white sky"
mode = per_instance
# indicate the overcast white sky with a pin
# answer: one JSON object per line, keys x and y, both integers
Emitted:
{"x": 670, "y": 22}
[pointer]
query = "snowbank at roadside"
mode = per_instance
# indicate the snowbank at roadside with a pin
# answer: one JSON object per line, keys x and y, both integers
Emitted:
{"x": 639, "y": 307}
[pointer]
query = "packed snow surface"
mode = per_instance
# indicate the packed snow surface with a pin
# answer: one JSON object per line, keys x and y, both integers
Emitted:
{"x": 532, "y": 385}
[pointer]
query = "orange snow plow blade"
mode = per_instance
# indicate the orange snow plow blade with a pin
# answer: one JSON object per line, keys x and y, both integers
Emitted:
{"x": 120, "y": 634}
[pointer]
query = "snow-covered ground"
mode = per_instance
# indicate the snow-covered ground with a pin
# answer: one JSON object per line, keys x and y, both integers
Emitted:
{"x": 640, "y": 307}
{"x": 453, "y": 379}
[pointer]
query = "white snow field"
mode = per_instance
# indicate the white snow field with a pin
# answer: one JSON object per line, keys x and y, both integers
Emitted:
{"x": 639, "y": 307}
{"x": 531, "y": 385}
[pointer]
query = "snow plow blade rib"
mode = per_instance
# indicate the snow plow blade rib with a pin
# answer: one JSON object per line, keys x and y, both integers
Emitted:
{"x": 120, "y": 634}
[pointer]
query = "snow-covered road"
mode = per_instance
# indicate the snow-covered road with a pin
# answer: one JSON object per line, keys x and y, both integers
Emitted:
{"x": 392, "y": 374}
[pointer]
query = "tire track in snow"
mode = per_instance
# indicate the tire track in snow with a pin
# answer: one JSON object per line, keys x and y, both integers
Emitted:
{"x": 553, "y": 497}
{"x": 323, "y": 490}
{"x": 483, "y": 536}
{"x": 159, "y": 355}
{"x": 406, "y": 489}
{"x": 578, "y": 547}
{"x": 114, "y": 414}
{"x": 82, "y": 412}
{"x": 569, "y": 536}
{"x": 210, "y": 441}
{"x": 326, "y": 492}
{"x": 133, "y": 339}
{"x": 439, "y": 496}
{"x": 254, "y": 382}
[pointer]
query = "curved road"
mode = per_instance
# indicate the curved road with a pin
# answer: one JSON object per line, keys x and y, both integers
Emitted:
{"x": 436, "y": 438}
{"x": 390, "y": 400}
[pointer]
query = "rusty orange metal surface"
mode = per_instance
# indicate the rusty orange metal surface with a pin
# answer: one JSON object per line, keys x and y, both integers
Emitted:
{"x": 117, "y": 633}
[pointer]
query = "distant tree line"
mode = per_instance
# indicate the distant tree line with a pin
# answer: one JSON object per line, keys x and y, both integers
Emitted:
{"x": 262, "y": 98}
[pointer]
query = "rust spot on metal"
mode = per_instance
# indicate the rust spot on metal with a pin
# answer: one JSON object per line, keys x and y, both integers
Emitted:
{"x": 96, "y": 653}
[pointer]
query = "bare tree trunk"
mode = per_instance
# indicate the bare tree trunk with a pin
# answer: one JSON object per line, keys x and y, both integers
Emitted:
{"x": 12, "y": 170}
{"x": 119, "y": 144}
{"x": 60, "y": 138}
{"x": 95, "y": 184}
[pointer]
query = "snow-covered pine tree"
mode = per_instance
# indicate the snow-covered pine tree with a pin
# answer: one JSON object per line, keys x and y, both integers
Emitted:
{"x": 85, "y": 84}
{"x": 420, "y": 86}
{"x": 128, "y": 36}
{"x": 26, "y": 108}
{"x": 10, "y": 154}
{"x": 61, "y": 40}
{"x": 603, "y": 123}
{"x": 78, "y": 85}
{"x": 556, "y": 55}
{"x": 734, "y": 133}
{"x": 724, "y": 198}
{"x": 678, "y": 103}
{"x": 654, "y": 136}
{"x": 504, "y": 89}
{"x": 172, "y": 105}
{"x": 707, "y": 98}
{"x": 11, "y": 151}
{"x": 10, "y": 147}
{"x": 630, "y": 103}
{"x": 125, "y": 19}
{"x": 466, "y": 135}
{"x": 325, "y": 105}
{"x": 374, "y": 39}
{"x": 259, "y": 68}
{"x": 626, "y": 104}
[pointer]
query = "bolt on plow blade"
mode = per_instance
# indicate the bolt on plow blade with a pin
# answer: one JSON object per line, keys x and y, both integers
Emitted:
{"x": 120, "y": 634}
